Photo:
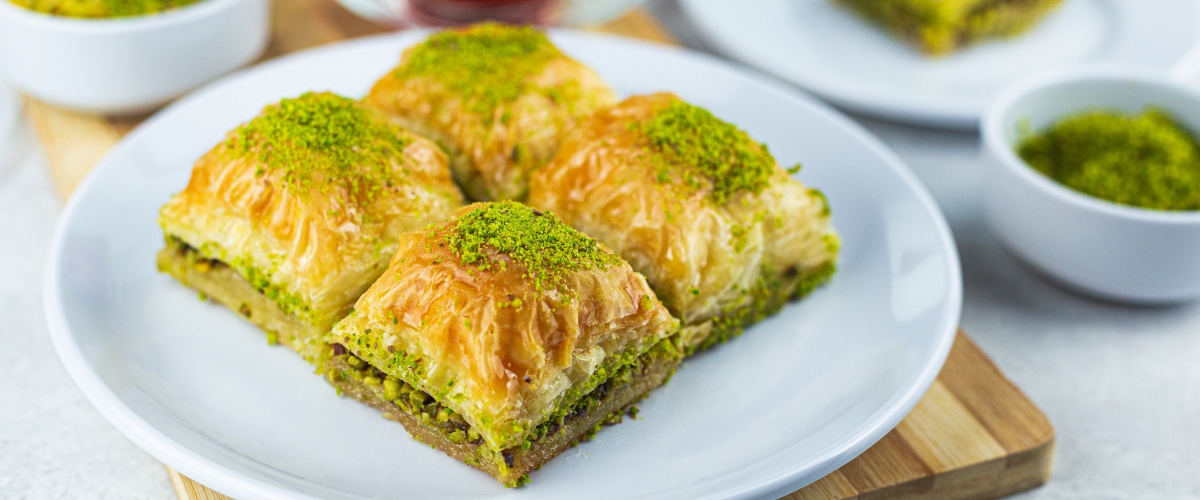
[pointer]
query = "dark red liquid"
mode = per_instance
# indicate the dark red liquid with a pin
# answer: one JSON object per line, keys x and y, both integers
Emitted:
{"x": 451, "y": 12}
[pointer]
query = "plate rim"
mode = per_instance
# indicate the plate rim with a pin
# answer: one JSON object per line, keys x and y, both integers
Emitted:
{"x": 953, "y": 115}
{"x": 220, "y": 478}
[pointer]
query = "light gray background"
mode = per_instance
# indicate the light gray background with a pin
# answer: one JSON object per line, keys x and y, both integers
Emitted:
{"x": 1121, "y": 384}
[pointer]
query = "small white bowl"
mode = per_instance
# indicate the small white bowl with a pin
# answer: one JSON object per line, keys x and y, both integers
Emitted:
{"x": 128, "y": 65}
{"x": 1112, "y": 251}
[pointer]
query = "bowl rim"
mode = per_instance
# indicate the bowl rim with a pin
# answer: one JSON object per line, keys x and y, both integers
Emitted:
{"x": 992, "y": 131}
{"x": 101, "y": 26}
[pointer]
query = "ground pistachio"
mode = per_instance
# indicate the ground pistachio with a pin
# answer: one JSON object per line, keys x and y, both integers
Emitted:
{"x": 1143, "y": 159}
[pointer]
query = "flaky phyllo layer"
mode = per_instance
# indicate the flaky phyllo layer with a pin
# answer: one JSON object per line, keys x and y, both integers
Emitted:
{"x": 722, "y": 232}
{"x": 306, "y": 201}
{"x": 504, "y": 315}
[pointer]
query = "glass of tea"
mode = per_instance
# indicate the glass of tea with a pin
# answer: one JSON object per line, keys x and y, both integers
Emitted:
{"x": 407, "y": 13}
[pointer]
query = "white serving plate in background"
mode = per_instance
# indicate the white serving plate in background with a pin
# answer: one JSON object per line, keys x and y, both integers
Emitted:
{"x": 856, "y": 65}
{"x": 794, "y": 398}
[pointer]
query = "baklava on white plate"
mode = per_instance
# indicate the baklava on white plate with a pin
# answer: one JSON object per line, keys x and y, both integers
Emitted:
{"x": 503, "y": 337}
{"x": 724, "y": 235}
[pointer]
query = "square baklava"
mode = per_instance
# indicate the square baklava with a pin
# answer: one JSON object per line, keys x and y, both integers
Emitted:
{"x": 503, "y": 337}
{"x": 724, "y": 235}
{"x": 290, "y": 218}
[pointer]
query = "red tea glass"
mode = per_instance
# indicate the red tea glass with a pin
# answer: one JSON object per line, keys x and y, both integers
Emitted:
{"x": 407, "y": 13}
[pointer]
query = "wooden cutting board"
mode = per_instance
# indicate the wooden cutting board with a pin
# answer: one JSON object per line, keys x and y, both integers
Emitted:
{"x": 973, "y": 435}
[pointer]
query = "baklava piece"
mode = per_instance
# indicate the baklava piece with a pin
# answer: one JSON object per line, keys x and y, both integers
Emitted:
{"x": 292, "y": 216}
{"x": 724, "y": 235}
{"x": 939, "y": 27}
{"x": 497, "y": 98}
{"x": 503, "y": 337}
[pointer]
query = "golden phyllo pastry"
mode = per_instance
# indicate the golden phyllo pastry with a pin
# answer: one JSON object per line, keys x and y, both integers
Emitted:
{"x": 723, "y": 234}
{"x": 497, "y": 98}
{"x": 503, "y": 337}
{"x": 938, "y": 27}
{"x": 294, "y": 214}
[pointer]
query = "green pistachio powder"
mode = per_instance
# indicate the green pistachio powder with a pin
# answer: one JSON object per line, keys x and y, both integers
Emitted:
{"x": 102, "y": 8}
{"x": 1144, "y": 160}
{"x": 548, "y": 249}
{"x": 321, "y": 142}
{"x": 488, "y": 65}
{"x": 692, "y": 145}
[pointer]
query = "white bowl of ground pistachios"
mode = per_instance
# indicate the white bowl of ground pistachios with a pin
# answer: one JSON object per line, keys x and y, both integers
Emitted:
{"x": 95, "y": 57}
{"x": 1117, "y": 219}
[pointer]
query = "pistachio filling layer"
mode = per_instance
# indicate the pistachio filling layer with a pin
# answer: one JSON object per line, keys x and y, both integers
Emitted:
{"x": 261, "y": 280}
{"x": 603, "y": 400}
{"x": 618, "y": 370}
{"x": 424, "y": 407}
{"x": 768, "y": 296}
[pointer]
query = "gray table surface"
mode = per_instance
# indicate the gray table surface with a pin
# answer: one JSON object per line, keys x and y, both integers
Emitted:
{"x": 1121, "y": 384}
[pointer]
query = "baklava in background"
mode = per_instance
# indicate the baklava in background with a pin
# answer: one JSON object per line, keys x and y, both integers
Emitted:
{"x": 939, "y": 27}
{"x": 724, "y": 235}
{"x": 296, "y": 213}
{"x": 503, "y": 337}
{"x": 497, "y": 98}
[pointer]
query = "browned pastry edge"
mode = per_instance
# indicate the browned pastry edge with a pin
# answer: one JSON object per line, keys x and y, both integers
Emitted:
{"x": 510, "y": 466}
{"x": 225, "y": 286}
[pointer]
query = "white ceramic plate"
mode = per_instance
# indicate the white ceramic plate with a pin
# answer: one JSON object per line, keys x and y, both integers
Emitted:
{"x": 853, "y": 64}
{"x": 794, "y": 398}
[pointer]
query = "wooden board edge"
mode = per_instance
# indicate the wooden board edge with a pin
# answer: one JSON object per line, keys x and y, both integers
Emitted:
{"x": 1028, "y": 470}
{"x": 984, "y": 481}
{"x": 999, "y": 405}
{"x": 187, "y": 489}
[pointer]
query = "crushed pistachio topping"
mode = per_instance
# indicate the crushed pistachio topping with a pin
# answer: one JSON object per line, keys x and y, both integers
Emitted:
{"x": 322, "y": 142}
{"x": 487, "y": 64}
{"x": 770, "y": 293}
{"x": 211, "y": 255}
{"x": 692, "y": 146}
{"x": 95, "y": 9}
{"x": 548, "y": 249}
{"x": 1145, "y": 160}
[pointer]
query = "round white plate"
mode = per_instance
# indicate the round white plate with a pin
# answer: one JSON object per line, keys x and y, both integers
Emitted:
{"x": 794, "y": 398}
{"x": 854, "y": 64}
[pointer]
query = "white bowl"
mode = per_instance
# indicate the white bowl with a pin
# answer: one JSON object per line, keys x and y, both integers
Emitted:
{"x": 128, "y": 65}
{"x": 1104, "y": 249}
